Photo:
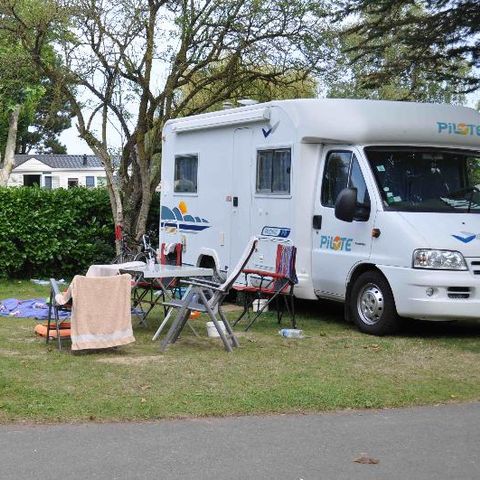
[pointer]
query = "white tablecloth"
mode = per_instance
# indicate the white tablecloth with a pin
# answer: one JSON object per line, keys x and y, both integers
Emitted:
{"x": 111, "y": 270}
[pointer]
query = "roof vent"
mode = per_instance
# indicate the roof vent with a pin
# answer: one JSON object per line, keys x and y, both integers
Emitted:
{"x": 245, "y": 102}
{"x": 227, "y": 105}
{"x": 85, "y": 160}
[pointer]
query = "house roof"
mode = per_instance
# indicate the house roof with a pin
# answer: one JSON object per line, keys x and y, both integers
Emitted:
{"x": 61, "y": 161}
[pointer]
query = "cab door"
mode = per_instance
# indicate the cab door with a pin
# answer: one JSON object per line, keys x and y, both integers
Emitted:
{"x": 337, "y": 245}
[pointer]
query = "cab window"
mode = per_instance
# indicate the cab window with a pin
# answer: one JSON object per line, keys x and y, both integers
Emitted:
{"x": 335, "y": 176}
{"x": 342, "y": 170}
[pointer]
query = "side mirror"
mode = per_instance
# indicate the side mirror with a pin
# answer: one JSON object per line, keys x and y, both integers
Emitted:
{"x": 346, "y": 204}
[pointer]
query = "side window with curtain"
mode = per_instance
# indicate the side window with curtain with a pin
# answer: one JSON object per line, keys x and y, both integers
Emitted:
{"x": 273, "y": 171}
{"x": 186, "y": 168}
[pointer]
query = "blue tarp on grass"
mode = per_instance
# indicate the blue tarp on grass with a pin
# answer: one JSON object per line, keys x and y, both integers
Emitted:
{"x": 34, "y": 308}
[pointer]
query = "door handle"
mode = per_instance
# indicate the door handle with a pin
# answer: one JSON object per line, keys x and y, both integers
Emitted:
{"x": 317, "y": 222}
{"x": 235, "y": 201}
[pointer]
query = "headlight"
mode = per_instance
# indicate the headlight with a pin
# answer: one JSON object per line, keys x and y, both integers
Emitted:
{"x": 438, "y": 259}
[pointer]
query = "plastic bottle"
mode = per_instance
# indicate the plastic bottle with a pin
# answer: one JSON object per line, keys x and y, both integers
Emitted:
{"x": 291, "y": 333}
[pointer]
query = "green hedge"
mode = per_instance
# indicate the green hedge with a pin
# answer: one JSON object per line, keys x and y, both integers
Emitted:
{"x": 55, "y": 233}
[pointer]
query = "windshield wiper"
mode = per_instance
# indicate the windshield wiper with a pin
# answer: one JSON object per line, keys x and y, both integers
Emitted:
{"x": 455, "y": 202}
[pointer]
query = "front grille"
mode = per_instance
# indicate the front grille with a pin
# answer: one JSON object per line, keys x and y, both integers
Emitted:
{"x": 458, "y": 292}
{"x": 475, "y": 267}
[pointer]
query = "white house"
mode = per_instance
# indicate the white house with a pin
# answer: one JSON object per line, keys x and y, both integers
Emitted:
{"x": 54, "y": 171}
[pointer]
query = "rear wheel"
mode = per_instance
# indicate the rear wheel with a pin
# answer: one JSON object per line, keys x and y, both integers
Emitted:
{"x": 123, "y": 258}
{"x": 140, "y": 257}
{"x": 373, "y": 306}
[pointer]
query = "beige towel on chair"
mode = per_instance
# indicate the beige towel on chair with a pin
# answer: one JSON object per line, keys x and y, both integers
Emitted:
{"x": 101, "y": 312}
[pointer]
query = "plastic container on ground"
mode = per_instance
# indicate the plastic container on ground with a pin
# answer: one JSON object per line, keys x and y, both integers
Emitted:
{"x": 291, "y": 333}
{"x": 212, "y": 331}
{"x": 258, "y": 304}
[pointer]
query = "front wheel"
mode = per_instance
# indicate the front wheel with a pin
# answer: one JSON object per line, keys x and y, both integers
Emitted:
{"x": 373, "y": 306}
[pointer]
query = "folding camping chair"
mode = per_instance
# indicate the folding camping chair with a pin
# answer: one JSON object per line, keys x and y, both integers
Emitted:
{"x": 62, "y": 327}
{"x": 171, "y": 254}
{"x": 152, "y": 292}
{"x": 100, "y": 309}
{"x": 275, "y": 285}
{"x": 208, "y": 296}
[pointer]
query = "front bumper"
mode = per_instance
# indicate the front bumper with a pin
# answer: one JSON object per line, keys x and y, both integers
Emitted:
{"x": 456, "y": 295}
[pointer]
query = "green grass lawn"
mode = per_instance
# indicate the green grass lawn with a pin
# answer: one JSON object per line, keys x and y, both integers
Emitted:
{"x": 335, "y": 367}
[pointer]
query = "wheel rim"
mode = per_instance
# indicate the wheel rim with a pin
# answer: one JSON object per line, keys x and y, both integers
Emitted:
{"x": 370, "y": 304}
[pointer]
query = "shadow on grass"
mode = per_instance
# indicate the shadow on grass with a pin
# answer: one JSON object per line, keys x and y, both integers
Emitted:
{"x": 461, "y": 335}
{"x": 332, "y": 313}
{"x": 458, "y": 329}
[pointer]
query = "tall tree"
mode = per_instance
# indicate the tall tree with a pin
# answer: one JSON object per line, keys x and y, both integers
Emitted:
{"x": 362, "y": 76}
{"x": 19, "y": 95}
{"x": 439, "y": 37}
{"x": 126, "y": 61}
{"x": 32, "y": 110}
{"x": 41, "y": 130}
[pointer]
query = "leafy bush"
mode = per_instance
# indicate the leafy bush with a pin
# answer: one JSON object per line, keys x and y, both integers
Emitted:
{"x": 55, "y": 233}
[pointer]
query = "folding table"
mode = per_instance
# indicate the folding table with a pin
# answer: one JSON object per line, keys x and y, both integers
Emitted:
{"x": 153, "y": 276}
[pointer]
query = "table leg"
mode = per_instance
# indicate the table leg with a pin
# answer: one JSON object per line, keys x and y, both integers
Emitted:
{"x": 177, "y": 325}
{"x": 167, "y": 317}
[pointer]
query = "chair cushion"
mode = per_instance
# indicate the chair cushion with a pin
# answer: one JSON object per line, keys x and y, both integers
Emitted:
{"x": 246, "y": 288}
{"x": 41, "y": 330}
{"x": 63, "y": 325}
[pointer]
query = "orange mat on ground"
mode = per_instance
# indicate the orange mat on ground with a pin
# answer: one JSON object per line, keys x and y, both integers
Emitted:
{"x": 41, "y": 330}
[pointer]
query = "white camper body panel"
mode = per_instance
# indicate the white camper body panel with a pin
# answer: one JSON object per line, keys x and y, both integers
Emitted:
{"x": 227, "y": 175}
{"x": 215, "y": 221}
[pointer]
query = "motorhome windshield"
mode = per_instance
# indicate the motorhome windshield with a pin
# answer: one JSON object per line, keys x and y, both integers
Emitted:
{"x": 427, "y": 179}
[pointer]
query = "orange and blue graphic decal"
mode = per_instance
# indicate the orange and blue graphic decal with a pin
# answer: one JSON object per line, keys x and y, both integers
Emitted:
{"x": 466, "y": 129}
{"x": 179, "y": 218}
{"x": 336, "y": 243}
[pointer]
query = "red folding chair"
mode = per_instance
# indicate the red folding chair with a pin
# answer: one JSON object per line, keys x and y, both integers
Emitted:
{"x": 277, "y": 285}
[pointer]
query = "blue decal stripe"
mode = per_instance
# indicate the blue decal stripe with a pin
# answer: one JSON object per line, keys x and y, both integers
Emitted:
{"x": 465, "y": 239}
{"x": 183, "y": 226}
{"x": 194, "y": 228}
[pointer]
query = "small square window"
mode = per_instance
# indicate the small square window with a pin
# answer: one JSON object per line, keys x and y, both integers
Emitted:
{"x": 186, "y": 167}
{"x": 273, "y": 171}
{"x": 89, "y": 182}
{"x": 72, "y": 182}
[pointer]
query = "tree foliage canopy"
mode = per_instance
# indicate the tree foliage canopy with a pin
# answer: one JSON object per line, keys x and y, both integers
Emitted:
{"x": 44, "y": 112}
{"x": 134, "y": 64}
{"x": 440, "y": 37}
{"x": 295, "y": 84}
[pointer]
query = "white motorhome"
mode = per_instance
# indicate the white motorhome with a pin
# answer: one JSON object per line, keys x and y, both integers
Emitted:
{"x": 380, "y": 198}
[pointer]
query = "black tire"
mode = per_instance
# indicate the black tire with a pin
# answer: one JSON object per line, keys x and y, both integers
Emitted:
{"x": 140, "y": 257}
{"x": 372, "y": 305}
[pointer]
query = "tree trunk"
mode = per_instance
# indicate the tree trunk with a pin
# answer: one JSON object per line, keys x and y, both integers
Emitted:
{"x": 9, "y": 157}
